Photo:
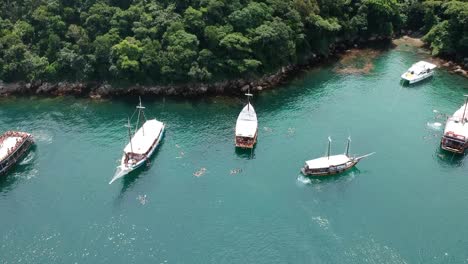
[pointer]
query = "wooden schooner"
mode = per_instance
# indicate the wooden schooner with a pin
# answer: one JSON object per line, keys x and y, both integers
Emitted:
{"x": 330, "y": 165}
{"x": 141, "y": 145}
{"x": 246, "y": 126}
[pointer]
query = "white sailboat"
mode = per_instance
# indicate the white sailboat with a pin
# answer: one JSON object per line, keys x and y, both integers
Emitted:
{"x": 330, "y": 165}
{"x": 418, "y": 72}
{"x": 246, "y": 126}
{"x": 141, "y": 145}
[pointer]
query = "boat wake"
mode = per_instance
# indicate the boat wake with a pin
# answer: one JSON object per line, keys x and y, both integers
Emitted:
{"x": 43, "y": 136}
{"x": 119, "y": 173}
{"x": 303, "y": 180}
{"x": 28, "y": 159}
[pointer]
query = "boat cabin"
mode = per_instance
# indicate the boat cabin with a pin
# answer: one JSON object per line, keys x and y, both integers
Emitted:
{"x": 132, "y": 158}
{"x": 328, "y": 165}
{"x": 244, "y": 141}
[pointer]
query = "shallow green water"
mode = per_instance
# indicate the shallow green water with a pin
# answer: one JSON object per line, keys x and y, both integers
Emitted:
{"x": 406, "y": 204}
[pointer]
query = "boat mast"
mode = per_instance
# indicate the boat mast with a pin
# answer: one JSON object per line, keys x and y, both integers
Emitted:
{"x": 140, "y": 110}
{"x": 129, "y": 134}
{"x": 464, "y": 110}
{"x": 329, "y": 147}
{"x": 248, "y": 99}
{"x": 347, "y": 146}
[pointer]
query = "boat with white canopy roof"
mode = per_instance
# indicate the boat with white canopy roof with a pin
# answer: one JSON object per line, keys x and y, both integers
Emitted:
{"x": 246, "y": 126}
{"x": 418, "y": 72}
{"x": 455, "y": 138}
{"x": 141, "y": 144}
{"x": 13, "y": 147}
{"x": 331, "y": 164}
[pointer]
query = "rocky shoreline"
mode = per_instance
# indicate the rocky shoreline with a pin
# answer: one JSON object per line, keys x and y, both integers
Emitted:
{"x": 414, "y": 39}
{"x": 97, "y": 90}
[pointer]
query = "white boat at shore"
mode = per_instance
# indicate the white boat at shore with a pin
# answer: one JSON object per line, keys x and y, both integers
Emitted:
{"x": 418, "y": 72}
{"x": 455, "y": 138}
{"x": 246, "y": 126}
{"x": 330, "y": 165}
{"x": 141, "y": 146}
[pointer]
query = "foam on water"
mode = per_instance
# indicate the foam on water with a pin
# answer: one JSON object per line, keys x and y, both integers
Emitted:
{"x": 303, "y": 180}
{"x": 434, "y": 125}
{"x": 368, "y": 250}
{"x": 322, "y": 222}
{"x": 28, "y": 159}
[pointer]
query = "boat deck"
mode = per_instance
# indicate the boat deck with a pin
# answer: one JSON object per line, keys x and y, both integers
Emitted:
{"x": 246, "y": 125}
{"x": 326, "y": 162}
{"x": 144, "y": 138}
{"x": 8, "y": 143}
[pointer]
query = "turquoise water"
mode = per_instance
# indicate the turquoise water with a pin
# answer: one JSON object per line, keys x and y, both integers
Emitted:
{"x": 406, "y": 204}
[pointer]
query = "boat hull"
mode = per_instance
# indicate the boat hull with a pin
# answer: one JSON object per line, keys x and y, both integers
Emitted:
{"x": 125, "y": 169}
{"x": 17, "y": 155}
{"x": 419, "y": 78}
{"x": 305, "y": 171}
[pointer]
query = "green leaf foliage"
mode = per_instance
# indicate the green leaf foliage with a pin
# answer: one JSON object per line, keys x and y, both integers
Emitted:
{"x": 203, "y": 40}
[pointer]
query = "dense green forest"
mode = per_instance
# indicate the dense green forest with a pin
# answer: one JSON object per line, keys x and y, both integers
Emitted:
{"x": 165, "y": 41}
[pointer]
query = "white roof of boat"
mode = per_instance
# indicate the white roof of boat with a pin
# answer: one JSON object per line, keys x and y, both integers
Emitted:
{"x": 141, "y": 142}
{"x": 455, "y": 124}
{"x": 459, "y": 113}
{"x": 421, "y": 65}
{"x": 9, "y": 142}
{"x": 246, "y": 125}
{"x": 326, "y": 162}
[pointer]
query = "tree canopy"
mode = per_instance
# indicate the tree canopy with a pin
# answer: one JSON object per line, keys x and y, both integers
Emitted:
{"x": 202, "y": 40}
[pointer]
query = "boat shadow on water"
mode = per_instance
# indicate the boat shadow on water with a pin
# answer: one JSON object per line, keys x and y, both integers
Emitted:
{"x": 449, "y": 159}
{"x": 23, "y": 169}
{"x": 129, "y": 180}
{"x": 245, "y": 153}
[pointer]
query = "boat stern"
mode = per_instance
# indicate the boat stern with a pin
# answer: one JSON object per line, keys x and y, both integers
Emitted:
{"x": 453, "y": 143}
{"x": 407, "y": 76}
{"x": 246, "y": 142}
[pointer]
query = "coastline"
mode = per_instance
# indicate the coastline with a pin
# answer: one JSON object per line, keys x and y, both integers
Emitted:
{"x": 450, "y": 65}
{"x": 98, "y": 90}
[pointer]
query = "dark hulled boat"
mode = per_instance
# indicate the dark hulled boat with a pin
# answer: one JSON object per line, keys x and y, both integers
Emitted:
{"x": 13, "y": 147}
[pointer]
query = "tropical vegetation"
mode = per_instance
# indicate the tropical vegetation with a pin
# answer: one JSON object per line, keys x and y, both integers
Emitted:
{"x": 167, "y": 41}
